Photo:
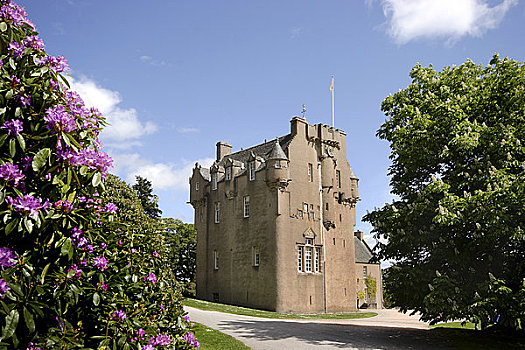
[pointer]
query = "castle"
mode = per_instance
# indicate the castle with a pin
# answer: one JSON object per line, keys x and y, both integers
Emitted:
{"x": 275, "y": 223}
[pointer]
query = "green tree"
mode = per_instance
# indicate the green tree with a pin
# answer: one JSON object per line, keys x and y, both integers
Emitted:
{"x": 182, "y": 241}
{"x": 455, "y": 230}
{"x": 77, "y": 265}
{"x": 147, "y": 198}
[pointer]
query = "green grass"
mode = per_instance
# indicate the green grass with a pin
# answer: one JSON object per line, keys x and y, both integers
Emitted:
{"x": 238, "y": 310}
{"x": 460, "y": 325}
{"x": 212, "y": 339}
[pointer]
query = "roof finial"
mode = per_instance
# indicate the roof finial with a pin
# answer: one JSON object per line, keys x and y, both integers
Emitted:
{"x": 303, "y": 112}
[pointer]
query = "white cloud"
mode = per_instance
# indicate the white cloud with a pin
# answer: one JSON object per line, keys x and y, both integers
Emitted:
{"x": 295, "y": 32}
{"x": 124, "y": 127}
{"x": 446, "y": 19}
{"x": 162, "y": 175}
{"x": 153, "y": 61}
{"x": 187, "y": 130}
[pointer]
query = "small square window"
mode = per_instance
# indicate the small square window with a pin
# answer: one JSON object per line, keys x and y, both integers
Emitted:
{"x": 197, "y": 186}
{"x": 228, "y": 173}
{"x": 278, "y": 164}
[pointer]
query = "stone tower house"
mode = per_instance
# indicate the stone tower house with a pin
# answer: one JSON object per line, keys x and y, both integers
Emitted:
{"x": 275, "y": 223}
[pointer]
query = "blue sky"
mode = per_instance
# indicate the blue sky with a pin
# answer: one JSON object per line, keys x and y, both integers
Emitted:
{"x": 175, "y": 77}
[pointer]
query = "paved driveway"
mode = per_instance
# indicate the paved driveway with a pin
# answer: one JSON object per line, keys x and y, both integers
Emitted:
{"x": 388, "y": 330}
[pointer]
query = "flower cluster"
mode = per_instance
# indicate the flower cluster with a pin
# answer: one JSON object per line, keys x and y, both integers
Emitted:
{"x": 75, "y": 272}
{"x": 16, "y": 49}
{"x": 110, "y": 208}
{"x": 89, "y": 157}
{"x": 28, "y": 205}
{"x": 14, "y": 126}
{"x": 63, "y": 206}
{"x": 58, "y": 64}
{"x": 34, "y": 42}
{"x": 151, "y": 277}
{"x": 161, "y": 339}
{"x": 10, "y": 172}
{"x": 16, "y": 14}
{"x": 100, "y": 262}
{"x": 190, "y": 339}
{"x": 119, "y": 315}
{"x": 4, "y": 288}
{"x": 7, "y": 258}
{"x": 59, "y": 119}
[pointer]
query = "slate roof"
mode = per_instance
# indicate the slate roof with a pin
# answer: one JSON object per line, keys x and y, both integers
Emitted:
{"x": 205, "y": 172}
{"x": 262, "y": 150}
{"x": 363, "y": 253}
{"x": 352, "y": 174}
{"x": 277, "y": 152}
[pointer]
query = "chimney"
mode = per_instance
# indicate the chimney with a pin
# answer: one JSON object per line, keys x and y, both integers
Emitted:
{"x": 298, "y": 126}
{"x": 223, "y": 149}
{"x": 359, "y": 234}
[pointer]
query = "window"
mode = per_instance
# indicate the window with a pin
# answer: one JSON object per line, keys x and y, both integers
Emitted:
{"x": 256, "y": 256}
{"x": 229, "y": 173}
{"x": 300, "y": 259}
{"x": 326, "y": 206}
{"x": 217, "y": 212}
{"x": 308, "y": 259}
{"x": 246, "y": 206}
{"x": 197, "y": 186}
{"x": 251, "y": 171}
{"x": 215, "y": 260}
{"x": 305, "y": 207}
{"x": 309, "y": 241}
{"x": 317, "y": 259}
{"x": 278, "y": 164}
{"x": 365, "y": 272}
{"x": 310, "y": 172}
{"x": 214, "y": 181}
{"x": 338, "y": 178}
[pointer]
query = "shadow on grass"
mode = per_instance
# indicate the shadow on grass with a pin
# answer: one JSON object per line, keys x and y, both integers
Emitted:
{"x": 317, "y": 335}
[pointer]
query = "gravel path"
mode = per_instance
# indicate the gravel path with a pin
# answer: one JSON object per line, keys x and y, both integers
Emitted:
{"x": 389, "y": 330}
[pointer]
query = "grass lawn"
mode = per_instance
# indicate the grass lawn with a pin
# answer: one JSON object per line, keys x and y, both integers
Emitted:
{"x": 237, "y": 310}
{"x": 468, "y": 325}
{"x": 211, "y": 339}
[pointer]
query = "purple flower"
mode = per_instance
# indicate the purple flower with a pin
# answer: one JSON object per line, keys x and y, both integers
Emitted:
{"x": 110, "y": 208}
{"x": 28, "y": 204}
{"x": 141, "y": 333}
{"x": 58, "y": 64}
{"x": 100, "y": 262}
{"x": 64, "y": 206}
{"x": 34, "y": 42}
{"x": 89, "y": 248}
{"x": 10, "y": 172}
{"x": 16, "y": 49}
{"x": 14, "y": 81}
{"x": 77, "y": 272}
{"x": 151, "y": 277}
{"x": 33, "y": 346}
{"x": 155, "y": 254}
{"x": 103, "y": 245}
{"x": 84, "y": 262}
{"x": 190, "y": 339}
{"x": 4, "y": 288}
{"x": 103, "y": 286}
{"x": 186, "y": 318}
{"x": 14, "y": 13}
{"x": 161, "y": 339}
{"x": 59, "y": 119}
{"x": 148, "y": 347}
{"x": 7, "y": 258}
{"x": 25, "y": 100}
{"x": 119, "y": 315}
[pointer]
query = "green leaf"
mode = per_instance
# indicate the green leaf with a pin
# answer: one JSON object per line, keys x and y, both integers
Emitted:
{"x": 41, "y": 158}
{"x": 3, "y": 138}
{"x": 97, "y": 178}
{"x": 11, "y": 226}
{"x": 28, "y": 223}
{"x": 96, "y": 299}
{"x": 83, "y": 170}
{"x": 12, "y": 148}
{"x": 3, "y": 26}
{"x": 67, "y": 248}
{"x": 21, "y": 142}
{"x": 30, "y": 322}
{"x": 11, "y": 322}
{"x": 44, "y": 271}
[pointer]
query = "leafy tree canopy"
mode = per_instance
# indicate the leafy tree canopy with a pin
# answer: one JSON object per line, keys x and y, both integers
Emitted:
{"x": 455, "y": 232}
{"x": 147, "y": 198}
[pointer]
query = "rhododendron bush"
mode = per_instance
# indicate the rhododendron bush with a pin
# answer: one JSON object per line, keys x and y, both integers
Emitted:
{"x": 74, "y": 271}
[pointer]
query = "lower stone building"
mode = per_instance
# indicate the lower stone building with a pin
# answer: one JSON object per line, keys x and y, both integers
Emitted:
{"x": 275, "y": 223}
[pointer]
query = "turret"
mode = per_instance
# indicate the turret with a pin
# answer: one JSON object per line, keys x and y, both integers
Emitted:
{"x": 277, "y": 172}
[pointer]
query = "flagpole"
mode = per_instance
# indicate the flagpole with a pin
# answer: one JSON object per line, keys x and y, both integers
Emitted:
{"x": 332, "y": 90}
